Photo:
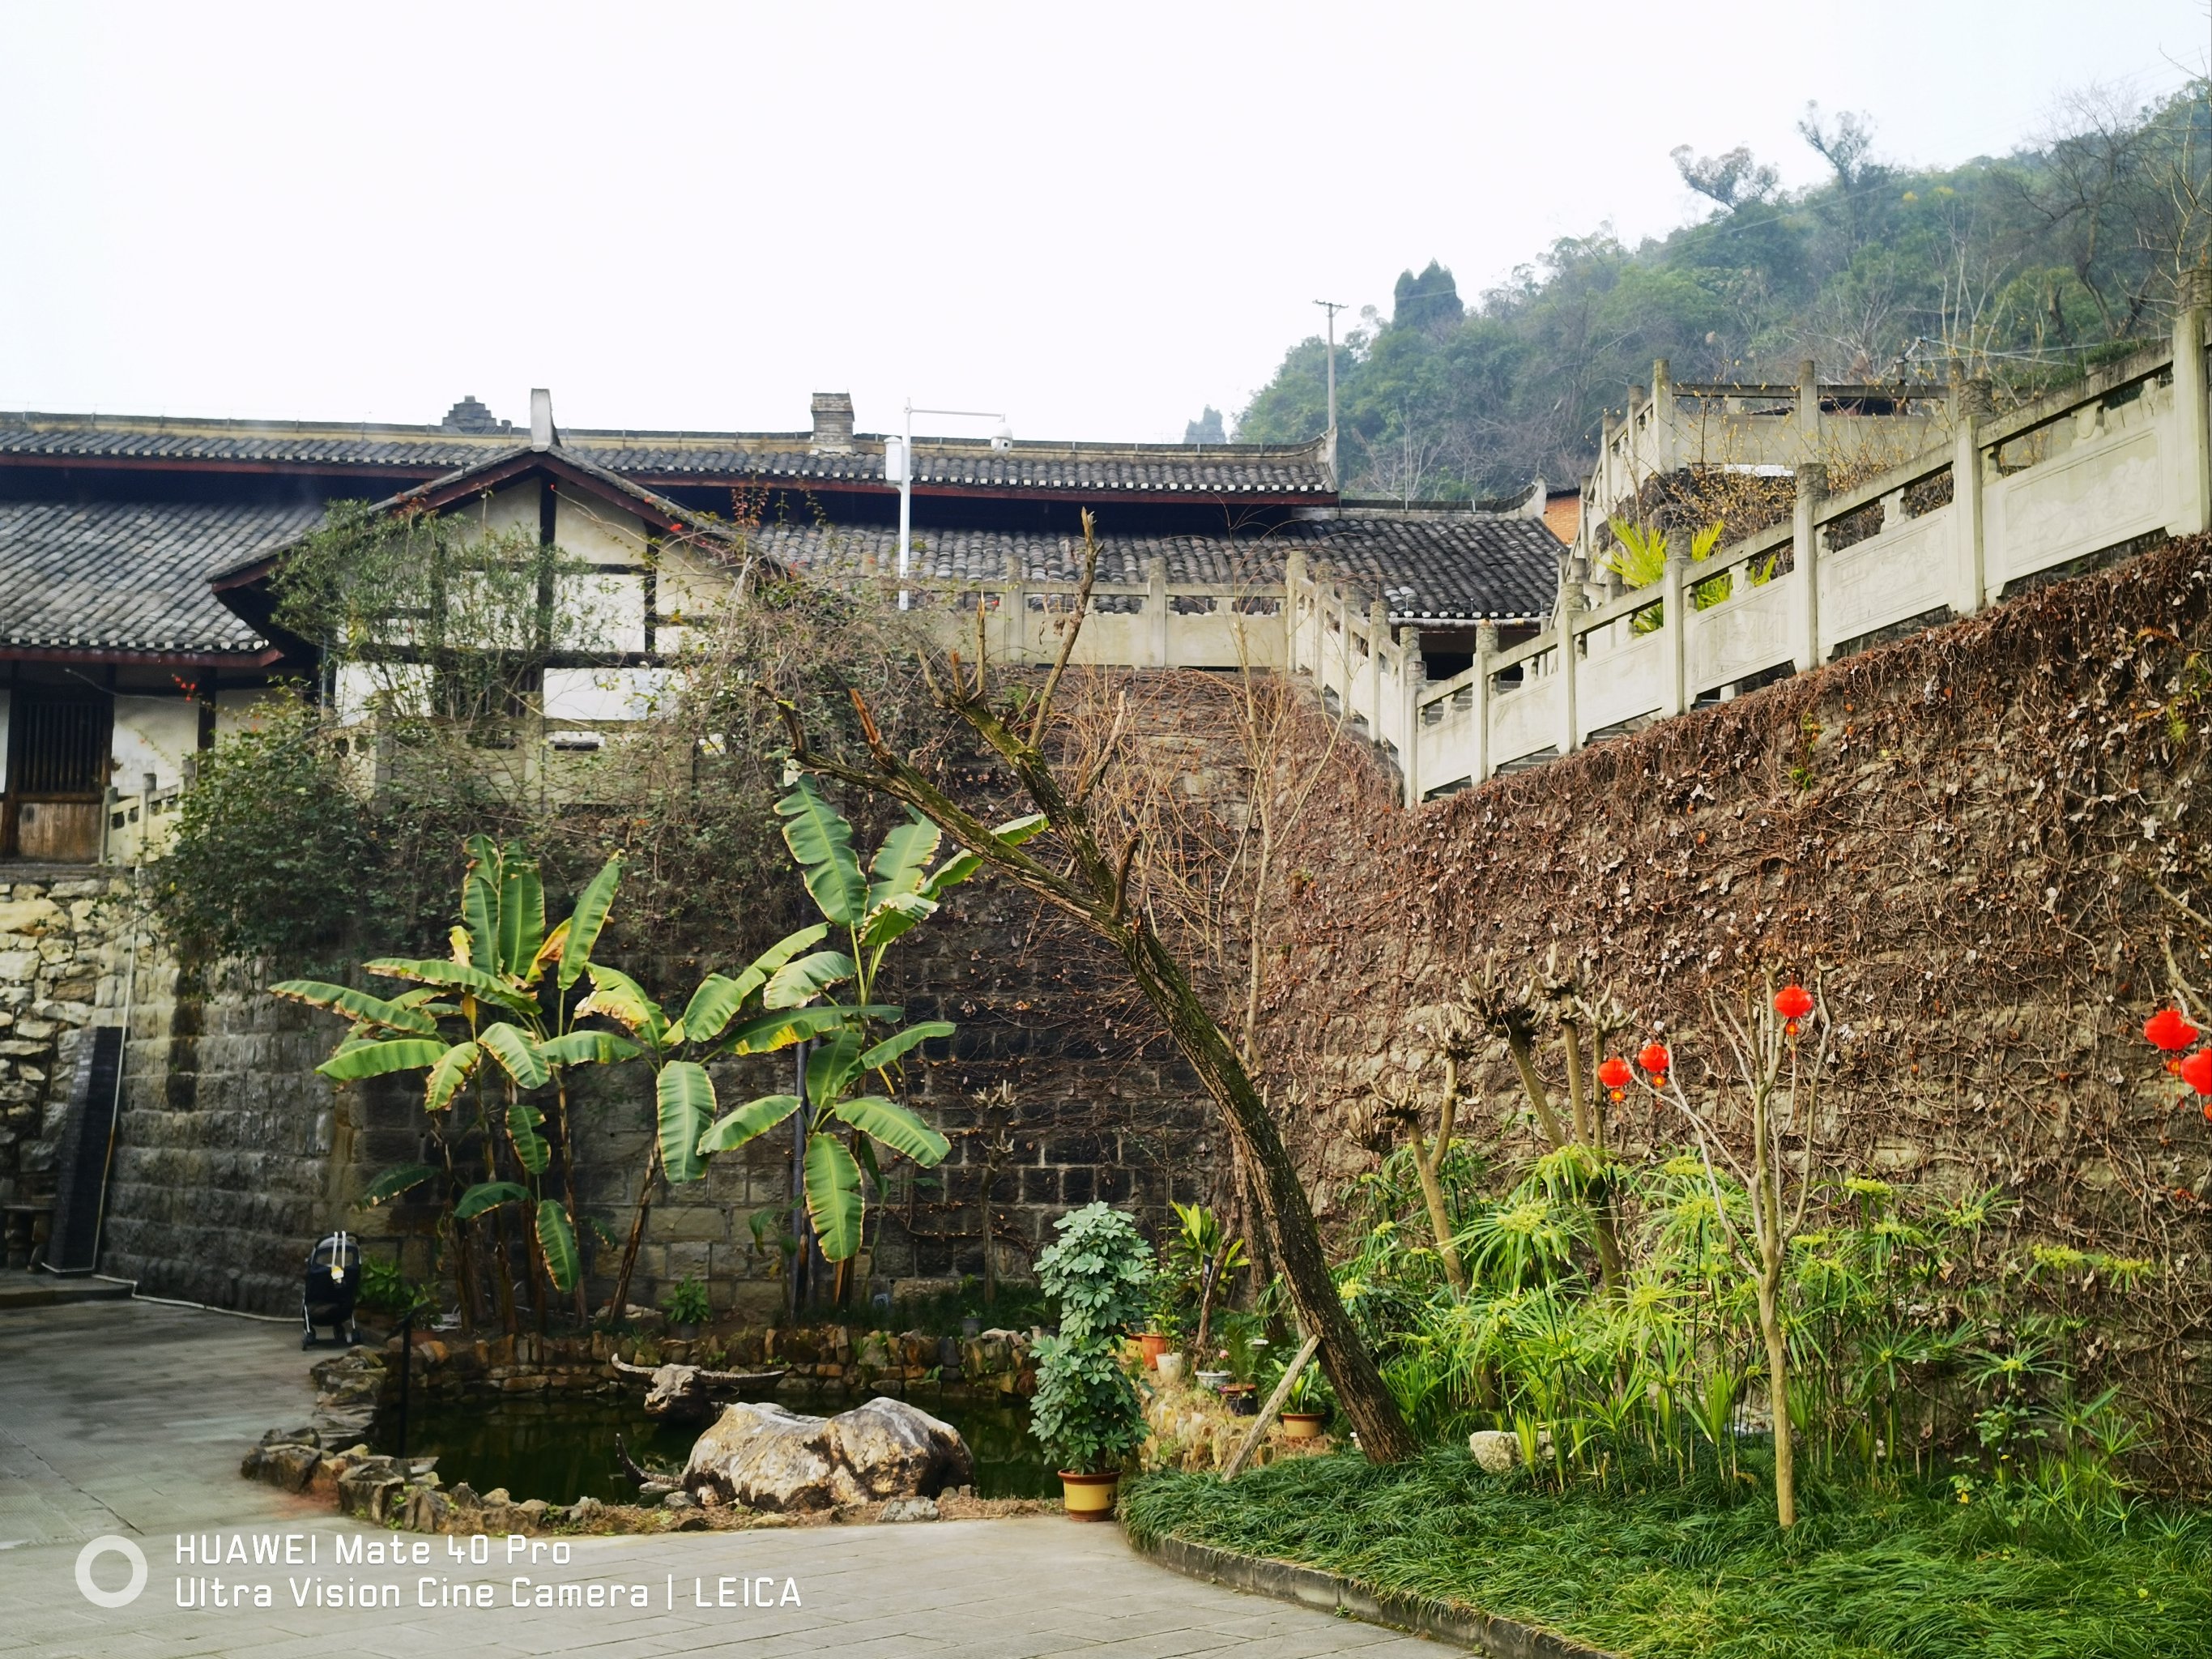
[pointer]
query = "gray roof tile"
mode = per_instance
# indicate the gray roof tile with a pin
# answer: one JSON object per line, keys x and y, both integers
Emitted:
{"x": 677, "y": 457}
{"x": 128, "y": 575}
{"x": 1438, "y": 567}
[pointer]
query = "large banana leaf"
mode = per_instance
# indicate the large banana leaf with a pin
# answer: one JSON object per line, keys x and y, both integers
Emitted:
{"x": 717, "y": 999}
{"x": 621, "y": 998}
{"x": 765, "y": 1033}
{"x": 686, "y": 1101}
{"x": 754, "y": 1117}
{"x": 962, "y": 865}
{"x": 516, "y": 1053}
{"x": 821, "y": 843}
{"x": 359, "y": 1005}
{"x": 899, "y": 863}
{"x": 766, "y": 963}
{"x": 354, "y": 1060}
{"x": 557, "y": 1240}
{"x": 549, "y": 952}
{"x": 393, "y": 1183}
{"x": 893, "y": 917}
{"x": 454, "y": 1067}
{"x": 832, "y": 1067}
{"x": 487, "y": 1195}
{"x": 521, "y": 916}
{"x": 833, "y": 1196}
{"x": 480, "y": 915}
{"x": 899, "y": 1041}
{"x": 895, "y": 1126}
{"x": 461, "y": 975}
{"x": 530, "y": 1147}
{"x": 586, "y": 1049}
{"x": 801, "y": 981}
{"x": 585, "y": 920}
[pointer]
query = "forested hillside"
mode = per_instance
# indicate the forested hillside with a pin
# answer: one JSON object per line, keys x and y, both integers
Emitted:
{"x": 2028, "y": 267}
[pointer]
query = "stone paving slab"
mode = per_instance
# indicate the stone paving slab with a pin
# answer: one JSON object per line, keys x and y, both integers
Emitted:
{"x": 129, "y": 1418}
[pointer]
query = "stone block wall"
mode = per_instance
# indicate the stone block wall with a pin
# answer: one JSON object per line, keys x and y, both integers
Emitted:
{"x": 62, "y": 946}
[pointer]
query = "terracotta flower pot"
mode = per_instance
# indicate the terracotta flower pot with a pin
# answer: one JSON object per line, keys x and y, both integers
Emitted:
{"x": 1154, "y": 1344}
{"x": 1090, "y": 1497}
{"x": 1302, "y": 1425}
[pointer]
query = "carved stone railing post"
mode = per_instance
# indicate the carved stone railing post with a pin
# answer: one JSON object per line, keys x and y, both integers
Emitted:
{"x": 1156, "y": 608}
{"x": 1569, "y": 647}
{"x": 1485, "y": 648}
{"x": 1805, "y": 554}
{"x": 2192, "y": 449}
{"x": 1294, "y": 581}
{"x": 1675, "y": 616}
{"x": 1971, "y": 584}
{"x": 1013, "y": 613}
{"x": 1378, "y": 631}
{"x": 1413, "y": 675}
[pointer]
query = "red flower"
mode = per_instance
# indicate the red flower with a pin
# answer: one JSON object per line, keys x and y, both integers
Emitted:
{"x": 1793, "y": 1002}
{"x": 1615, "y": 1075}
{"x": 2197, "y": 1071}
{"x": 2169, "y": 1029}
{"x": 1655, "y": 1059}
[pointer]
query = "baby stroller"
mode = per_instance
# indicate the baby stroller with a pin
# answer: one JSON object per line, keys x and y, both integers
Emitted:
{"x": 333, "y": 1280}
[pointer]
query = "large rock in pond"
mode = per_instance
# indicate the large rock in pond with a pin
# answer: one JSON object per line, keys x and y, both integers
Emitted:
{"x": 768, "y": 1458}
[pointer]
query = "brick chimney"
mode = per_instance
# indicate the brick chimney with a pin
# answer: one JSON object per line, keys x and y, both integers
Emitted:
{"x": 833, "y": 423}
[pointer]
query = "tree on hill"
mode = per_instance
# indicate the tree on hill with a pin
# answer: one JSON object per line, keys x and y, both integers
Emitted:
{"x": 1205, "y": 429}
{"x": 2029, "y": 268}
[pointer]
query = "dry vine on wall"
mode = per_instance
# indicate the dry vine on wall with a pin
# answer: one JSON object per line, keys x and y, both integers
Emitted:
{"x": 1988, "y": 841}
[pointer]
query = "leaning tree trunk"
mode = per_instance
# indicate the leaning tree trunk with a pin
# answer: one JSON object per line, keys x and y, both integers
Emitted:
{"x": 1292, "y": 1236}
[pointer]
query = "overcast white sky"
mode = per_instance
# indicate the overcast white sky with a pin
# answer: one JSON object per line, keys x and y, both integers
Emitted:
{"x": 1096, "y": 217}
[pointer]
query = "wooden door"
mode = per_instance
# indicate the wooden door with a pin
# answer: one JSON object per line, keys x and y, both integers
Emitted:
{"x": 58, "y": 743}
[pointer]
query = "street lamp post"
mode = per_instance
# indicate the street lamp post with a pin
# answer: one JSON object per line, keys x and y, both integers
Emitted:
{"x": 899, "y": 466}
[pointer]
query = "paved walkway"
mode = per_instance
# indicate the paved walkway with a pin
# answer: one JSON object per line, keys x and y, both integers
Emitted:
{"x": 129, "y": 1419}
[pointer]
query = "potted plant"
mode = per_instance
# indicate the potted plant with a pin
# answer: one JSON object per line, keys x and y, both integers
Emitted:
{"x": 1305, "y": 1407}
{"x": 687, "y": 1308}
{"x": 1164, "y": 1334}
{"x": 1087, "y": 1414}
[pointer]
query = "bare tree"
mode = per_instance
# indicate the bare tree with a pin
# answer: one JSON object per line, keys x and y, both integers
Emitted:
{"x": 1093, "y": 886}
{"x": 1730, "y": 178}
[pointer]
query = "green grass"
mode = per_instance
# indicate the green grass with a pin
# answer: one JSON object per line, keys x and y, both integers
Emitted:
{"x": 1705, "y": 1570}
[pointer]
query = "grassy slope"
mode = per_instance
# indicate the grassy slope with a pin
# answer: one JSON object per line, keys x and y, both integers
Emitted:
{"x": 1688, "y": 1572}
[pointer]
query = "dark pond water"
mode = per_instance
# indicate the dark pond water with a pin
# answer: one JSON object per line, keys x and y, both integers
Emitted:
{"x": 564, "y": 1449}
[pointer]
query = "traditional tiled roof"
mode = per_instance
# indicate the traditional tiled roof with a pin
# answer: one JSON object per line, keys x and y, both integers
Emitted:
{"x": 1443, "y": 567}
{"x": 671, "y": 458}
{"x": 1433, "y": 566}
{"x": 131, "y": 576}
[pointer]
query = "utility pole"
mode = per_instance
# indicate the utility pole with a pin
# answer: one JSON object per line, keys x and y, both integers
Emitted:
{"x": 900, "y": 467}
{"x": 1332, "y": 307}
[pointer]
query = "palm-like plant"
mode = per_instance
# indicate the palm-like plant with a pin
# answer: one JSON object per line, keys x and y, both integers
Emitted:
{"x": 843, "y": 1119}
{"x": 480, "y": 1015}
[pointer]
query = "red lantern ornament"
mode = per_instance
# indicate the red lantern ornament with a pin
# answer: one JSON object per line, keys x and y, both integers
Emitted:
{"x": 1793, "y": 1003}
{"x": 1615, "y": 1075}
{"x": 2170, "y": 1029}
{"x": 1655, "y": 1059}
{"x": 2197, "y": 1071}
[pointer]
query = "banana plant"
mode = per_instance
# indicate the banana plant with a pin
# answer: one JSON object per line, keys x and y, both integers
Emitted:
{"x": 679, "y": 1051}
{"x": 847, "y": 1109}
{"x": 493, "y": 988}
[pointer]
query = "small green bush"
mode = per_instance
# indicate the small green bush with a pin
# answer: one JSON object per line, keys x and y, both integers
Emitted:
{"x": 686, "y": 1304}
{"x": 1087, "y": 1414}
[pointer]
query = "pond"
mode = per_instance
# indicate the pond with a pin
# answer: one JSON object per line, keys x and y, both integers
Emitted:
{"x": 564, "y": 1449}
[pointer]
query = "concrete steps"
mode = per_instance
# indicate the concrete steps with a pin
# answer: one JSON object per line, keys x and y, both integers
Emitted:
{"x": 42, "y": 1290}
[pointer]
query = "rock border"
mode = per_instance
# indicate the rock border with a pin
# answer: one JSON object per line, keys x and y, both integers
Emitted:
{"x": 1330, "y": 1592}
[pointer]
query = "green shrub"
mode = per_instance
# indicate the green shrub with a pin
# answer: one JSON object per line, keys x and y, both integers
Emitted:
{"x": 1087, "y": 1414}
{"x": 687, "y": 1304}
